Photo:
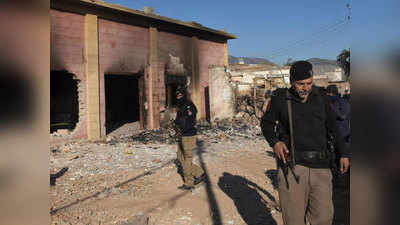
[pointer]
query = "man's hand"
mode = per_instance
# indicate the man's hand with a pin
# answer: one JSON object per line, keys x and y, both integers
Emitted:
{"x": 344, "y": 164}
{"x": 281, "y": 151}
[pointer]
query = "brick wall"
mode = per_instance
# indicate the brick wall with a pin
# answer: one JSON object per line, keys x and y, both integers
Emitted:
{"x": 161, "y": 86}
{"x": 122, "y": 49}
{"x": 67, "y": 53}
{"x": 125, "y": 49}
{"x": 210, "y": 53}
{"x": 177, "y": 46}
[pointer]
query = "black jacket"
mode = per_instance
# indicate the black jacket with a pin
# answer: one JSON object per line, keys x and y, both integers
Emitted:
{"x": 311, "y": 121}
{"x": 186, "y": 117}
{"x": 342, "y": 108}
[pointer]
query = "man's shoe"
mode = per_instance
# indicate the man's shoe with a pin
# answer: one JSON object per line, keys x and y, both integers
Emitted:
{"x": 198, "y": 180}
{"x": 185, "y": 187}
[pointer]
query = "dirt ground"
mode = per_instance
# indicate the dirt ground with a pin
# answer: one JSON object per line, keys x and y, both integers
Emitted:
{"x": 240, "y": 187}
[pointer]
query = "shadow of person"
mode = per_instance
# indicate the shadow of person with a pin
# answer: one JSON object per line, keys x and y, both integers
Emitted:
{"x": 179, "y": 169}
{"x": 250, "y": 204}
{"x": 273, "y": 176}
{"x": 53, "y": 177}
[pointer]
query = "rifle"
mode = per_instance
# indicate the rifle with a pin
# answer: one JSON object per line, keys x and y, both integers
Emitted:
{"x": 290, "y": 164}
{"x": 286, "y": 167}
{"x": 290, "y": 161}
{"x": 332, "y": 154}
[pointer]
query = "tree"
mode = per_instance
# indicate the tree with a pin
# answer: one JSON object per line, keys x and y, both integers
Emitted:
{"x": 343, "y": 60}
{"x": 289, "y": 62}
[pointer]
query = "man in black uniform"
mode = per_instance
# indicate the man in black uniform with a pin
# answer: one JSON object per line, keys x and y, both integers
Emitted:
{"x": 185, "y": 123}
{"x": 307, "y": 190}
{"x": 341, "y": 182}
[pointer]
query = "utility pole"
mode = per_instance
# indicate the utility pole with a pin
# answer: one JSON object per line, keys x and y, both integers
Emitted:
{"x": 348, "y": 12}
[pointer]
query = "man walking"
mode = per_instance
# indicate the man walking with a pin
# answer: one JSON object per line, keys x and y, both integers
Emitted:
{"x": 342, "y": 109}
{"x": 185, "y": 123}
{"x": 304, "y": 117}
{"x": 341, "y": 182}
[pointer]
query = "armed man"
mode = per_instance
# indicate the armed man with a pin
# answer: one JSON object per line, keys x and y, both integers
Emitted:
{"x": 185, "y": 123}
{"x": 304, "y": 119}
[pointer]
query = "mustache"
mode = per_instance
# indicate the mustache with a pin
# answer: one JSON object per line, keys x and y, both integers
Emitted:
{"x": 304, "y": 92}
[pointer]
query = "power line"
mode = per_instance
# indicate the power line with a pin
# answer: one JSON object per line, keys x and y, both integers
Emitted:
{"x": 324, "y": 43}
{"x": 311, "y": 40}
{"x": 331, "y": 28}
{"x": 320, "y": 42}
{"x": 325, "y": 29}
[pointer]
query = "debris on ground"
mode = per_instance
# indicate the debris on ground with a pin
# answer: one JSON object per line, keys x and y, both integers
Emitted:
{"x": 131, "y": 168}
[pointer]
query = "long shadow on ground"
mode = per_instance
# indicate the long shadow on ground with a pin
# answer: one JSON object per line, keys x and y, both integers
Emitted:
{"x": 272, "y": 175}
{"x": 250, "y": 204}
{"x": 212, "y": 201}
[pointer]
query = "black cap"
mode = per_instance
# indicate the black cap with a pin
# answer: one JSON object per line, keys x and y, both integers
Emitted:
{"x": 332, "y": 89}
{"x": 300, "y": 70}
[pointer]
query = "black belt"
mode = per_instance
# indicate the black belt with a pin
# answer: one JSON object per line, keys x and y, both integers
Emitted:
{"x": 311, "y": 156}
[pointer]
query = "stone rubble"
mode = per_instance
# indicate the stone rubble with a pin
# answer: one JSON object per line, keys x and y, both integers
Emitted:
{"x": 95, "y": 168}
{"x": 249, "y": 111}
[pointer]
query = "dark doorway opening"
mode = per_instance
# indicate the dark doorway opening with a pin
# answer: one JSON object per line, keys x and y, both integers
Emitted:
{"x": 171, "y": 97}
{"x": 64, "y": 105}
{"x": 207, "y": 101}
{"x": 122, "y": 100}
{"x": 172, "y": 83}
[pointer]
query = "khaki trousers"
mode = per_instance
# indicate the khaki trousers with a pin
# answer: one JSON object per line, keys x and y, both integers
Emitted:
{"x": 311, "y": 198}
{"x": 185, "y": 157}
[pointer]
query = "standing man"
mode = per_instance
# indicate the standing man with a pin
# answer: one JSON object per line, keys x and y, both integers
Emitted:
{"x": 306, "y": 191}
{"x": 342, "y": 109}
{"x": 185, "y": 123}
{"x": 341, "y": 182}
{"x": 346, "y": 95}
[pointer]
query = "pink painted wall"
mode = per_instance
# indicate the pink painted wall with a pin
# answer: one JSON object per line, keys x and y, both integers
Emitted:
{"x": 210, "y": 53}
{"x": 122, "y": 49}
{"x": 67, "y": 53}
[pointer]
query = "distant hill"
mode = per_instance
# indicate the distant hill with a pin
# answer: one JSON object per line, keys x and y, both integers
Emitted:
{"x": 249, "y": 60}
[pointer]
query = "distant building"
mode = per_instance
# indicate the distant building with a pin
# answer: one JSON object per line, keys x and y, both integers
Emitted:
{"x": 228, "y": 83}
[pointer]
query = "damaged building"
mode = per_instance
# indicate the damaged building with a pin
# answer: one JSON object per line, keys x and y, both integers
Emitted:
{"x": 111, "y": 65}
{"x": 242, "y": 87}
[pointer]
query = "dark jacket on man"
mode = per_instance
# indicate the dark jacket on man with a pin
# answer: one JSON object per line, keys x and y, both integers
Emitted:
{"x": 186, "y": 117}
{"x": 311, "y": 122}
{"x": 342, "y": 108}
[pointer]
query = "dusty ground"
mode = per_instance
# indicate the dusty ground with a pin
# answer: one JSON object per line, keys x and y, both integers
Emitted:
{"x": 122, "y": 180}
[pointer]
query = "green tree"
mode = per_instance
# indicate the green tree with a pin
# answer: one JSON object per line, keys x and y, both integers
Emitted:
{"x": 289, "y": 62}
{"x": 343, "y": 60}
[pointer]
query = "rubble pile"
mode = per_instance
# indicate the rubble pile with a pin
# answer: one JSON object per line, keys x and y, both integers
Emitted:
{"x": 248, "y": 110}
{"x": 164, "y": 135}
{"x": 228, "y": 130}
{"x": 217, "y": 131}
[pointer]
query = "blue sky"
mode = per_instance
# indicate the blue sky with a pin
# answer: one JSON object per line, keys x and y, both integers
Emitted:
{"x": 278, "y": 30}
